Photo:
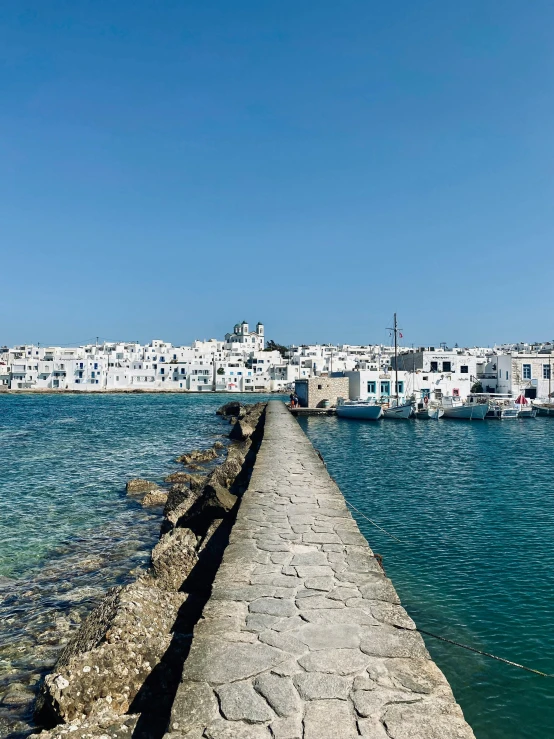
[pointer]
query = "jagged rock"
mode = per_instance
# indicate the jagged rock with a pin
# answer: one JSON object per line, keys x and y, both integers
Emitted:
{"x": 175, "y": 516}
{"x": 227, "y": 472}
{"x": 197, "y": 455}
{"x": 118, "y": 646}
{"x": 241, "y": 430}
{"x": 215, "y": 502}
{"x": 140, "y": 486}
{"x": 179, "y": 494}
{"x": 154, "y": 497}
{"x": 173, "y": 558}
{"x": 229, "y": 409}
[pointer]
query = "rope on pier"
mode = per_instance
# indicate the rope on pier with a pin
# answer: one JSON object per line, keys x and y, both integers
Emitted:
{"x": 436, "y": 636}
{"x": 485, "y": 654}
{"x": 400, "y": 541}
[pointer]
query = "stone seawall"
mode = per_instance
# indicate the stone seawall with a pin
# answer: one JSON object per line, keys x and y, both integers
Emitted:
{"x": 304, "y": 636}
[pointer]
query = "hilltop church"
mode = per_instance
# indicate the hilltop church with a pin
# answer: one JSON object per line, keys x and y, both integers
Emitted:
{"x": 245, "y": 338}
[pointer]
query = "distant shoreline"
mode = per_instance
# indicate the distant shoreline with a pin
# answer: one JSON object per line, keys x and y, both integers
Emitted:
{"x": 112, "y": 391}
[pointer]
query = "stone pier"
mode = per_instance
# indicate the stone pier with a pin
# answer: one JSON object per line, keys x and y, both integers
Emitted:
{"x": 304, "y": 636}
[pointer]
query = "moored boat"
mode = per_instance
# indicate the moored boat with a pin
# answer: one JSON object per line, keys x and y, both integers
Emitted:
{"x": 544, "y": 409}
{"x": 404, "y": 410}
{"x": 395, "y": 408}
{"x": 501, "y": 405}
{"x": 455, "y": 408}
{"x": 525, "y": 410}
{"x": 527, "y": 413}
{"x": 364, "y": 410}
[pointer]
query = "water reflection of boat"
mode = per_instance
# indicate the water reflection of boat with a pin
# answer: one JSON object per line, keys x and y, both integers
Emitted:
{"x": 365, "y": 410}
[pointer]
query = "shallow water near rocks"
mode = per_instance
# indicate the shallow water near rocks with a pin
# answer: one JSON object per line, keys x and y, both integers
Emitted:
{"x": 473, "y": 505}
{"x": 68, "y": 531}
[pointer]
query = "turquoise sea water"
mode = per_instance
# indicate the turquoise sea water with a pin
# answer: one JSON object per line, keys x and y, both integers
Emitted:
{"x": 473, "y": 503}
{"x": 67, "y": 529}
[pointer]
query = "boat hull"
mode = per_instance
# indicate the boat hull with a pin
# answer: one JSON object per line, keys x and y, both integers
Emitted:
{"x": 545, "y": 410}
{"x": 475, "y": 412}
{"x": 360, "y": 412}
{"x": 502, "y": 414}
{"x": 399, "y": 412}
{"x": 430, "y": 413}
{"x": 527, "y": 413}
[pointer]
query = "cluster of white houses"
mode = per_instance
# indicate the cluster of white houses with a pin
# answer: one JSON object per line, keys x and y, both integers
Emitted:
{"x": 243, "y": 363}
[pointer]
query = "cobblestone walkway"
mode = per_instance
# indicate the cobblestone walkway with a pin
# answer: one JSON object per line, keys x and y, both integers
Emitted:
{"x": 304, "y": 637}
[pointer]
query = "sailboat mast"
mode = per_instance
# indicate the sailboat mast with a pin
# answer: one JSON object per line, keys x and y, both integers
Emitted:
{"x": 396, "y": 356}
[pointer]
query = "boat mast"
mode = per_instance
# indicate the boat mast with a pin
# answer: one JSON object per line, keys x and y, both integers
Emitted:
{"x": 395, "y": 329}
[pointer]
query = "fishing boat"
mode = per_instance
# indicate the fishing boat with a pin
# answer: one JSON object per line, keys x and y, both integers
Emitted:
{"x": 396, "y": 409}
{"x": 404, "y": 410}
{"x": 364, "y": 410}
{"x": 454, "y": 407}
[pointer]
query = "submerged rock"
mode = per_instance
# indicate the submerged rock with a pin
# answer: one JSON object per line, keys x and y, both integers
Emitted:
{"x": 197, "y": 455}
{"x": 106, "y": 724}
{"x": 139, "y": 485}
{"x": 185, "y": 478}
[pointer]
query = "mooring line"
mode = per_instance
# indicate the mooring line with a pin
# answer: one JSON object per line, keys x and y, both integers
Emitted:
{"x": 400, "y": 541}
{"x": 436, "y": 636}
{"x": 485, "y": 654}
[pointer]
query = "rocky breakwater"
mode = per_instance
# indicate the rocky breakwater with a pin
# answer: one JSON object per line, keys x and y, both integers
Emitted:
{"x": 118, "y": 675}
{"x": 304, "y": 636}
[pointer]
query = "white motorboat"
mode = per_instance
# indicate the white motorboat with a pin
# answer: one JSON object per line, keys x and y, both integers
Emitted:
{"x": 501, "y": 405}
{"x": 525, "y": 409}
{"x": 454, "y": 407}
{"x": 364, "y": 410}
{"x": 527, "y": 413}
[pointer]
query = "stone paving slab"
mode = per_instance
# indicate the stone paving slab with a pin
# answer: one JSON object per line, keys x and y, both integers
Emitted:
{"x": 304, "y": 636}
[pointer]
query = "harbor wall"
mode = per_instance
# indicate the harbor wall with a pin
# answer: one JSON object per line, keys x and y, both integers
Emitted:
{"x": 304, "y": 636}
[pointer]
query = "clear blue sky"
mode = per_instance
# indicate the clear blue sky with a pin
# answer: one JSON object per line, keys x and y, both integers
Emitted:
{"x": 170, "y": 167}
